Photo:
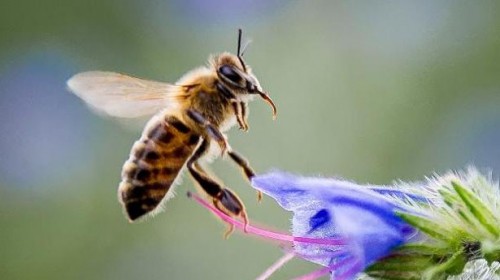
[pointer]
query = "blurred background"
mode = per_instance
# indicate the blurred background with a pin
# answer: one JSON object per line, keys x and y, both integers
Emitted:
{"x": 369, "y": 91}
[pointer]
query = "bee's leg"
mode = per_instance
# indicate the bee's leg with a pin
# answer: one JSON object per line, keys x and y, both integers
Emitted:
{"x": 238, "y": 111}
{"x": 214, "y": 133}
{"x": 223, "y": 199}
{"x": 211, "y": 130}
{"x": 244, "y": 114}
{"x": 245, "y": 166}
{"x": 239, "y": 107}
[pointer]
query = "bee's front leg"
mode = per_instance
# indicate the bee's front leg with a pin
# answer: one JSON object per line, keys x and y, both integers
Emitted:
{"x": 240, "y": 113}
{"x": 239, "y": 107}
{"x": 223, "y": 199}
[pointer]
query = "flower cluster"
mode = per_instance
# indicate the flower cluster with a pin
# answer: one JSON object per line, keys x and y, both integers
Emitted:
{"x": 427, "y": 230}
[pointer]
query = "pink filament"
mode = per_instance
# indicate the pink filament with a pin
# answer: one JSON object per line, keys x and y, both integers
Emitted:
{"x": 277, "y": 265}
{"x": 323, "y": 271}
{"x": 262, "y": 232}
{"x": 315, "y": 274}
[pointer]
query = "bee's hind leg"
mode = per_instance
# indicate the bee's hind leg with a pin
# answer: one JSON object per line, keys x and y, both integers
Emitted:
{"x": 215, "y": 134}
{"x": 223, "y": 199}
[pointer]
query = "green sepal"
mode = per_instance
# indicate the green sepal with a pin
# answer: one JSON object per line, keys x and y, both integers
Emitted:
{"x": 394, "y": 275}
{"x": 491, "y": 252}
{"x": 422, "y": 249}
{"x": 478, "y": 209}
{"x": 454, "y": 202}
{"x": 398, "y": 262}
{"x": 429, "y": 227}
{"x": 398, "y": 267}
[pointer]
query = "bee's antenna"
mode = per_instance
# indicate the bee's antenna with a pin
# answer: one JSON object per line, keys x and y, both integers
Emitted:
{"x": 247, "y": 43}
{"x": 239, "y": 52}
{"x": 239, "y": 41}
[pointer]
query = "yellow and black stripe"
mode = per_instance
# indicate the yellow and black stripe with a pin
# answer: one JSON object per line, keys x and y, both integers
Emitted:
{"x": 154, "y": 164}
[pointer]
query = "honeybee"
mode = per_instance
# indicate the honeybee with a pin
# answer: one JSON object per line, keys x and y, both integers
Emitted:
{"x": 187, "y": 117}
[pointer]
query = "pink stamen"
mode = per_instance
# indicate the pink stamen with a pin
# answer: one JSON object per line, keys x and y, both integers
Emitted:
{"x": 323, "y": 271}
{"x": 262, "y": 232}
{"x": 315, "y": 274}
{"x": 276, "y": 265}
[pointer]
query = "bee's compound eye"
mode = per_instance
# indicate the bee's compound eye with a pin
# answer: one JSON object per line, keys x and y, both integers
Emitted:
{"x": 231, "y": 75}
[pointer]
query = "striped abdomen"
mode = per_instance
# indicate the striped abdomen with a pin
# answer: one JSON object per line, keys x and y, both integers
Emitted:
{"x": 154, "y": 163}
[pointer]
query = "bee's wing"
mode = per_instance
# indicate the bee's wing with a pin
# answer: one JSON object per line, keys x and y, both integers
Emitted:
{"x": 124, "y": 96}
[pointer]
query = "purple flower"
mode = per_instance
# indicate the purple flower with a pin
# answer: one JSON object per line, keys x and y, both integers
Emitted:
{"x": 329, "y": 208}
{"x": 340, "y": 225}
{"x": 426, "y": 230}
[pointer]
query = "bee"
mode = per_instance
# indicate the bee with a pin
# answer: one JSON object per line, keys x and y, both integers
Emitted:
{"x": 187, "y": 117}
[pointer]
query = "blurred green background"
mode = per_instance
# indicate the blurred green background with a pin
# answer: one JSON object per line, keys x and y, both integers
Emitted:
{"x": 367, "y": 90}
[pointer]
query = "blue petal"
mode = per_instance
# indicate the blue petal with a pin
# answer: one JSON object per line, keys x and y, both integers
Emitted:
{"x": 397, "y": 193}
{"x": 319, "y": 219}
{"x": 279, "y": 185}
{"x": 331, "y": 208}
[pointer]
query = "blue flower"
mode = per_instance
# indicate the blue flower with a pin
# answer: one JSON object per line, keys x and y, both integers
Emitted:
{"x": 443, "y": 226}
{"x": 329, "y": 208}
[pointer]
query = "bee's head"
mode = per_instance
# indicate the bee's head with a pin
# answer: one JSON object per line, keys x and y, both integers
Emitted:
{"x": 235, "y": 74}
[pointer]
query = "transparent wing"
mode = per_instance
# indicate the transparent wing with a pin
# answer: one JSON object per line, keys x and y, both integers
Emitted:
{"x": 124, "y": 96}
